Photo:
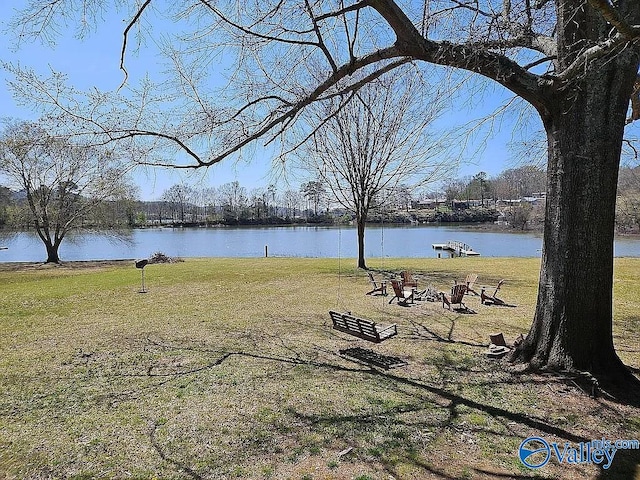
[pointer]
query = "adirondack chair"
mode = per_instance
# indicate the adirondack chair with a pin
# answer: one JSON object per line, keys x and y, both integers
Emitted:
{"x": 469, "y": 281}
{"x": 486, "y": 299}
{"x": 457, "y": 297}
{"x": 404, "y": 296}
{"x": 408, "y": 280}
{"x": 377, "y": 287}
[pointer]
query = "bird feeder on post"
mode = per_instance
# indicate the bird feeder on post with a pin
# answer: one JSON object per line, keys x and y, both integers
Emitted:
{"x": 141, "y": 264}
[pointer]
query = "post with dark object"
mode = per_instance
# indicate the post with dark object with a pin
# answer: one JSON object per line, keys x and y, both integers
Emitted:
{"x": 266, "y": 251}
{"x": 141, "y": 264}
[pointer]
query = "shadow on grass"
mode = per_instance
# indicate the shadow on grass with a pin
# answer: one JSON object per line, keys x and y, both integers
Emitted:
{"x": 421, "y": 331}
{"x": 389, "y": 419}
{"x": 406, "y": 418}
{"x": 164, "y": 456}
{"x": 383, "y": 418}
{"x": 369, "y": 357}
{"x": 456, "y": 400}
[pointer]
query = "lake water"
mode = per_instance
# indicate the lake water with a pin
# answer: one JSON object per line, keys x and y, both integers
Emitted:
{"x": 300, "y": 241}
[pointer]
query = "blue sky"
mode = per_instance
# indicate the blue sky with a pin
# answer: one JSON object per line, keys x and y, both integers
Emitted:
{"x": 94, "y": 62}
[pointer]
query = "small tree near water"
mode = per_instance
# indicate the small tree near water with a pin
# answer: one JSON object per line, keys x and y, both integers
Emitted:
{"x": 376, "y": 141}
{"x": 63, "y": 183}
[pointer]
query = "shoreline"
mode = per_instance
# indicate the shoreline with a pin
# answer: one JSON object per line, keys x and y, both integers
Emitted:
{"x": 96, "y": 264}
{"x": 71, "y": 264}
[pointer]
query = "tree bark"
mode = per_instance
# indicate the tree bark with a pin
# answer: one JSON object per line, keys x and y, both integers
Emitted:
{"x": 361, "y": 224}
{"x": 52, "y": 252}
{"x": 573, "y": 324}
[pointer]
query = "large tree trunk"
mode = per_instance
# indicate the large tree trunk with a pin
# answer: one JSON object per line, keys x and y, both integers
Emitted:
{"x": 52, "y": 252}
{"x": 572, "y": 328}
{"x": 361, "y": 224}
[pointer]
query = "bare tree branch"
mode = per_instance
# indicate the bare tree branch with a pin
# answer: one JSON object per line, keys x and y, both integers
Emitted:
{"x": 339, "y": 13}
{"x": 125, "y": 36}
{"x": 492, "y": 65}
{"x": 271, "y": 109}
{"x": 321, "y": 44}
{"x": 252, "y": 33}
{"x": 319, "y": 91}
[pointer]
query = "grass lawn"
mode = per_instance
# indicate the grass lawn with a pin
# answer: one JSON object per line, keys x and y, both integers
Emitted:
{"x": 229, "y": 368}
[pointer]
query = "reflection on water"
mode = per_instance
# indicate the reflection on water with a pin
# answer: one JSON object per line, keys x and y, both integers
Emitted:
{"x": 387, "y": 241}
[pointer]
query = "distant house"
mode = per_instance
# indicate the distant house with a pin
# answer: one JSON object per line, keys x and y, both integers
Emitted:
{"x": 534, "y": 200}
{"x": 460, "y": 204}
{"x": 507, "y": 203}
{"x": 428, "y": 203}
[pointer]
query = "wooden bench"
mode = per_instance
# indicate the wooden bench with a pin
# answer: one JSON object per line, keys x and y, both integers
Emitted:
{"x": 361, "y": 328}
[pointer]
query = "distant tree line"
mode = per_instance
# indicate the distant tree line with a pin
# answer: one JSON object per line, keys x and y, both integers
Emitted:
{"x": 234, "y": 204}
{"x": 513, "y": 192}
{"x": 628, "y": 205}
{"x": 482, "y": 198}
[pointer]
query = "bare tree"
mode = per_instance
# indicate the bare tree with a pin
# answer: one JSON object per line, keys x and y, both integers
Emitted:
{"x": 522, "y": 181}
{"x": 270, "y": 200}
{"x": 258, "y": 203}
{"x": 519, "y": 215}
{"x": 574, "y": 61}
{"x": 453, "y": 189}
{"x": 233, "y": 198}
{"x": 178, "y": 198}
{"x": 292, "y": 200}
{"x": 5, "y": 201}
{"x": 374, "y": 142}
{"x": 63, "y": 183}
{"x": 210, "y": 201}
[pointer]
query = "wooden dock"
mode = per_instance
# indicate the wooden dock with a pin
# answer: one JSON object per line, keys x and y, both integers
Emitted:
{"x": 456, "y": 249}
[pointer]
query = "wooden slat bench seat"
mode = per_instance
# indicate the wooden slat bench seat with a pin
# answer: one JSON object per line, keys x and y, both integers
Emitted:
{"x": 361, "y": 328}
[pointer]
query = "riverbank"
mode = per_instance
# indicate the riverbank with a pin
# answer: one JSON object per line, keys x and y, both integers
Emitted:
{"x": 229, "y": 368}
{"x": 73, "y": 265}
